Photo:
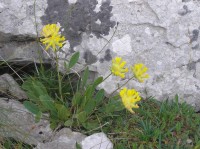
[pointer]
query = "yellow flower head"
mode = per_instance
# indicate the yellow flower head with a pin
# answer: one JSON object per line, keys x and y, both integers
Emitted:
{"x": 129, "y": 98}
{"x": 139, "y": 71}
{"x": 52, "y": 37}
{"x": 118, "y": 67}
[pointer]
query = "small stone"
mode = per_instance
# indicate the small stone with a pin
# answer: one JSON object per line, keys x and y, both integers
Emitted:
{"x": 189, "y": 141}
{"x": 64, "y": 139}
{"x": 97, "y": 141}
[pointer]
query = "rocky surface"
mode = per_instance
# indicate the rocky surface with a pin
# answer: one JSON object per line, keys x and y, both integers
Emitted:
{"x": 64, "y": 139}
{"x": 164, "y": 35}
{"x": 97, "y": 141}
{"x": 9, "y": 87}
{"x": 18, "y": 123}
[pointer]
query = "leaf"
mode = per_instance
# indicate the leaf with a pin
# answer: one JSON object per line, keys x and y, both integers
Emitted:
{"x": 74, "y": 59}
{"x": 89, "y": 107}
{"x": 176, "y": 97}
{"x": 31, "y": 107}
{"x": 32, "y": 96}
{"x": 48, "y": 103}
{"x": 34, "y": 89}
{"x": 99, "y": 96}
{"x": 114, "y": 105}
{"x": 65, "y": 65}
{"x": 63, "y": 113}
{"x": 89, "y": 91}
{"x": 85, "y": 77}
{"x": 39, "y": 87}
{"x": 90, "y": 125}
{"x": 98, "y": 81}
{"x": 53, "y": 124}
{"x": 38, "y": 117}
{"x": 68, "y": 123}
{"x": 76, "y": 100}
{"x": 78, "y": 146}
{"x": 82, "y": 116}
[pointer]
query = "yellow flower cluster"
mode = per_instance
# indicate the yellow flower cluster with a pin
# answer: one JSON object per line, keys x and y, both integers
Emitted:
{"x": 52, "y": 37}
{"x": 139, "y": 71}
{"x": 118, "y": 67}
{"x": 129, "y": 98}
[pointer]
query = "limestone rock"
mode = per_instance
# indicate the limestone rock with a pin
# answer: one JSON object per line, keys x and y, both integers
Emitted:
{"x": 97, "y": 141}
{"x": 64, "y": 139}
{"x": 164, "y": 35}
{"x": 10, "y": 86}
{"x": 18, "y": 123}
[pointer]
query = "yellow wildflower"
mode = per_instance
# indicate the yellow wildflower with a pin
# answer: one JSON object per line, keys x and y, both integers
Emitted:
{"x": 52, "y": 37}
{"x": 118, "y": 67}
{"x": 129, "y": 98}
{"x": 139, "y": 71}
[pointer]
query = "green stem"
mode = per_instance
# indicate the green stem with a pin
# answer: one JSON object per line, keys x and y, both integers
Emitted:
{"x": 121, "y": 86}
{"x": 107, "y": 77}
{"x": 59, "y": 78}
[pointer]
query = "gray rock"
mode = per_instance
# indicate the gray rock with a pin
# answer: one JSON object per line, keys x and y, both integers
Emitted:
{"x": 64, "y": 139}
{"x": 164, "y": 35}
{"x": 18, "y": 123}
{"x": 10, "y": 86}
{"x": 97, "y": 141}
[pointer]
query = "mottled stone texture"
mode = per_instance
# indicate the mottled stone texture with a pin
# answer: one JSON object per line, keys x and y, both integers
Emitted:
{"x": 163, "y": 34}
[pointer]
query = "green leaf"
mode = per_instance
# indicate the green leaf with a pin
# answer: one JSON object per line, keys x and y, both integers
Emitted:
{"x": 114, "y": 105}
{"x": 82, "y": 116}
{"x": 68, "y": 123}
{"x": 76, "y": 100}
{"x": 65, "y": 65}
{"x": 31, "y": 107}
{"x": 53, "y": 124}
{"x": 85, "y": 77}
{"x": 89, "y": 91}
{"x": 34, "y": 89}
{"x": 99, "y": 96}
{"x": 98, "y": 81}
{"x": 33, "y": 97}
{"x": 78, "y": 146}
{"x": 89, "y": 107}
{"x": 176, "y": 97}
{"x": 63, "y": 113}
{"x": 48, "y": 103}
{"x": 38, "y": 117}
{"x": 90, "y": 125}
{"x": 74, "y": 59}
{"x": 91, "y": 88}
{"x": 39, "y": 87}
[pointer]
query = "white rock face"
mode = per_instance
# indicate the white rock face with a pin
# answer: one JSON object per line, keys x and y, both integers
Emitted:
{"x": 20, "y": 124}
{"x": 64, "y": 139}
{"x": 97, "y": 141}
{"x": 162, "y": 34}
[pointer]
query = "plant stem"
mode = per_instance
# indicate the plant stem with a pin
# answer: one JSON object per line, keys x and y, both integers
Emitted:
{"x": 121, "y": 86}
{"x": 59, "y": 78}
{"x": 107, "y": 77}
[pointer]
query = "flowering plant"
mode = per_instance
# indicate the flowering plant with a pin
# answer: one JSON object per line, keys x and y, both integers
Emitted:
{"x": 80, "y": 107}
